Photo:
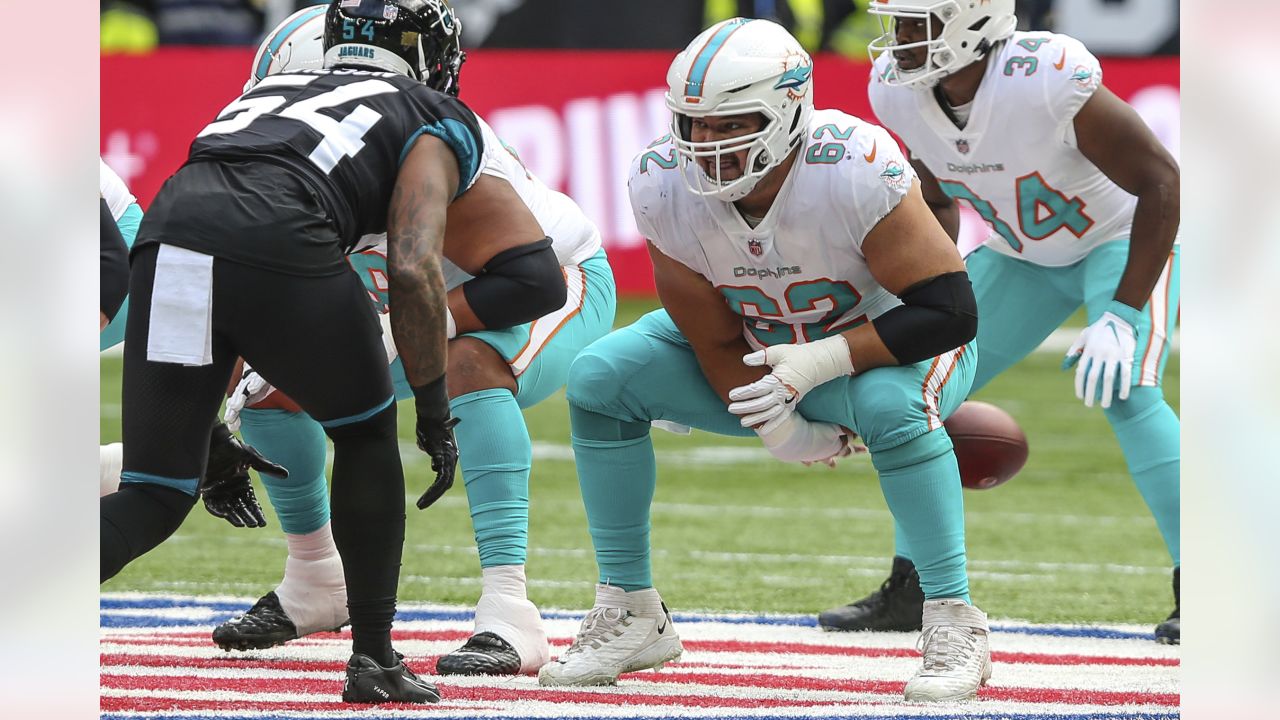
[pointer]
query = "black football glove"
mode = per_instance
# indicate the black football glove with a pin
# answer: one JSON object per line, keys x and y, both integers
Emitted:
{"x": 435, "y": 437}
{"x": 226, "y": 489}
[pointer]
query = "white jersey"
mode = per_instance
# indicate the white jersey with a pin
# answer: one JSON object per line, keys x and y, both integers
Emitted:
{"x": 1016, "y": 161}
{"x": 800, "y": 274}
{"x": 113, "y": 190}
{"x": 574, "y": 238}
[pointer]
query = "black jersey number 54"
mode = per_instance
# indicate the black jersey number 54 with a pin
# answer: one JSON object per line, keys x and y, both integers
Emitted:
{"x": 339, "y": 138}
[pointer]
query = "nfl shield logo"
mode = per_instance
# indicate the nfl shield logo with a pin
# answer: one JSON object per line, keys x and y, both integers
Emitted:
{"x": 755, "y": 247}
{"x": 962, "y": 145}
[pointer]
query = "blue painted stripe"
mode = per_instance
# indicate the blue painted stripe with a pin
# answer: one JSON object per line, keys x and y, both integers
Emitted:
{"x": 254, "y": 715}
{"x": 216, "y": 607}
{"x": 702, "y": 61}
{"x": 280, "y": 37}
{"x": 186, "y": 485}
{"x": 979, "y": 715}
{"x": 357, "y": 418}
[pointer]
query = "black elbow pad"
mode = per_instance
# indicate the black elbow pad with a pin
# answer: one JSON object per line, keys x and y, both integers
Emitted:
{"x": 936, "y": 315}
{"x": 516, "y": 286}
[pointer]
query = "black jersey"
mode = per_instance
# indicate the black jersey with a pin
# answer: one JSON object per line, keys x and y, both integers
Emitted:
{"x": 328, "y": 144}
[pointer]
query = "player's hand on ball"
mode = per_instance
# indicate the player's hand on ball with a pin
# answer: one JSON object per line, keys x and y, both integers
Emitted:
{"x": 226, "y": 488}
{"x": 435, "y": 438}
{"x": 1104, "y": 352}
{"x": 251, "y": 389}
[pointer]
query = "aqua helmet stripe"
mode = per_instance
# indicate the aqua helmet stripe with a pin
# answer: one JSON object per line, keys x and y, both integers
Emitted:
{"x": 282, "y": 37}
{"x": 702, "y": 61}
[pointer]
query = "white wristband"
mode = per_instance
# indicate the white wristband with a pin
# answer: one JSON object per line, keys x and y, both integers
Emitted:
{"x": 799, "y": 440}
{"x": 451, "y": 326}
{"x": 831, "y": 358}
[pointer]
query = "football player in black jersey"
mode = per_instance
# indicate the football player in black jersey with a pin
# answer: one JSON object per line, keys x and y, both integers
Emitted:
{"x": 242, "y": 255}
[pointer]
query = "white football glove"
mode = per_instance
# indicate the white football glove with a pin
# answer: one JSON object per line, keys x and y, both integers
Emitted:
{"x": 251, "y": 389}
{"x": 1105, "y": 350}
{"x": 797, "y": 369}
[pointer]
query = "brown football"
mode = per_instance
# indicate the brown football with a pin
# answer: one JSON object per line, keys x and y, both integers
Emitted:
{"x": 990, "y": 447}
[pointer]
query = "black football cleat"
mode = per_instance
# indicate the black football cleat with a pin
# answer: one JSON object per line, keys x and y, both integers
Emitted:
{"x": 370, "y": 683}
{"x": 264, "y": 625}
{"x": 897, "y": 606}
{"x": 484, "y": 654}
{"x": 1169, "y": 632}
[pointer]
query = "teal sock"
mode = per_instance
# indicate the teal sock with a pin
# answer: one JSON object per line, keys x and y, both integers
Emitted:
{"x": 1149, "y": 435}
{"x": 618, "y": 473}
{"x": 921, "y": 484}
{"x": 294, "y": 440}
{"x": 494, "y": 455}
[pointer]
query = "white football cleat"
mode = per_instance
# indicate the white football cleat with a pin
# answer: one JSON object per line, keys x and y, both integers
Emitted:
{"x": 613, "y": 641}
{"x": 957, "y": 653}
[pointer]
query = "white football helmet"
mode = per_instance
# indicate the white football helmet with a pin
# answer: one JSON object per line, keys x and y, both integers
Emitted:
{"x": 968, "y": 30}
{"x": 736, "y": 67}
{"x": 297, "y": 43}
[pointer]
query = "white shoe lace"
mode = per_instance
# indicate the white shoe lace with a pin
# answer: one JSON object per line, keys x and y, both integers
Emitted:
{"x": 942, "y": 644}
{"x": 600, "y": 626}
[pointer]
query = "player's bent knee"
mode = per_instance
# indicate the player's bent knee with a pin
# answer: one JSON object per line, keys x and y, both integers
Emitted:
{"x": 593, "y": 381}
{"x": 381, "y": 424}
{"x": 473, "y": 365}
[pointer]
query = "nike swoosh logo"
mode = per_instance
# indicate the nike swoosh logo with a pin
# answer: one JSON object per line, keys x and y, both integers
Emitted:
{"x": 1114, "y": 331}
{"x": 871, "y": 157}
{"x": 1061, "y": 61}
{"x": 663, "y": 627}
{"x": 789, "y": 400}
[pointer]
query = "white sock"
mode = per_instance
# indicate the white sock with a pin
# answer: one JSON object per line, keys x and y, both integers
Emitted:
{"x": 504, "y": 580}
{"x": 313, "y": 592}
{"x": 645, "y": 602}
{"x": 110, "y": 461}
{"x": 315, "y": 545}
{"x": 611, "y": 596}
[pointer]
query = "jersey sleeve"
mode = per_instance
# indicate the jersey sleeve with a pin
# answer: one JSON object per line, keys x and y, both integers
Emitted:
{"x": 112, "y": 189}
{"x": 1073, "y": 76}
{"x": 645, "y": 190}
{"x": 454, "y": 123}
{"x": 880, "y": 177}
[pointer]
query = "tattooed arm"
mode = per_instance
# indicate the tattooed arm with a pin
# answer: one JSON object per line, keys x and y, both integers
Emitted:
{"x": 427, "y": 183}
{"x": 415, "y": 236}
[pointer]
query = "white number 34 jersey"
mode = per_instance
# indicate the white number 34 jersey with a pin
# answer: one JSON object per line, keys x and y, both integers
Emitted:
{"x": 799, "y": 275}
{"x": 1016, "y": 162}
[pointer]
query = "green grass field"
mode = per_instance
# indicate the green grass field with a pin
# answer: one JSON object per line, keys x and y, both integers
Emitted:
{"x": 1068, "y": 540}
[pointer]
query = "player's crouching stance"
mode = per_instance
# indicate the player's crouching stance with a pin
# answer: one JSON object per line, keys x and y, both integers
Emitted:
{"x": 798, "y": 239}
{"x": 242, "y": 254}
{"x": 1083, "y": 205}
{"x": 497, "y": 365}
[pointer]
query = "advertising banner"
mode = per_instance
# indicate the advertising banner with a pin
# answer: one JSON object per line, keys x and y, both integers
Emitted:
{"x": 577, "y": 118}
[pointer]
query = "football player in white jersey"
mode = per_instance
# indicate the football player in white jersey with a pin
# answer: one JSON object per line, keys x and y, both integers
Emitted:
{"x": 1082, "y": 201}
{"x": 808, "y": 294}
{"x": 493, "y": 374}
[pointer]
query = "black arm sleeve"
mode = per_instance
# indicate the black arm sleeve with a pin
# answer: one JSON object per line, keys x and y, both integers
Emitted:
{"x": 937, "y": 315}
{"x": 114, "y": 265}
{"x": 516, "y": 286}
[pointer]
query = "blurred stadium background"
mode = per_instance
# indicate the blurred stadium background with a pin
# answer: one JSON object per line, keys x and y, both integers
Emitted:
{"x": 576, "y": 87}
